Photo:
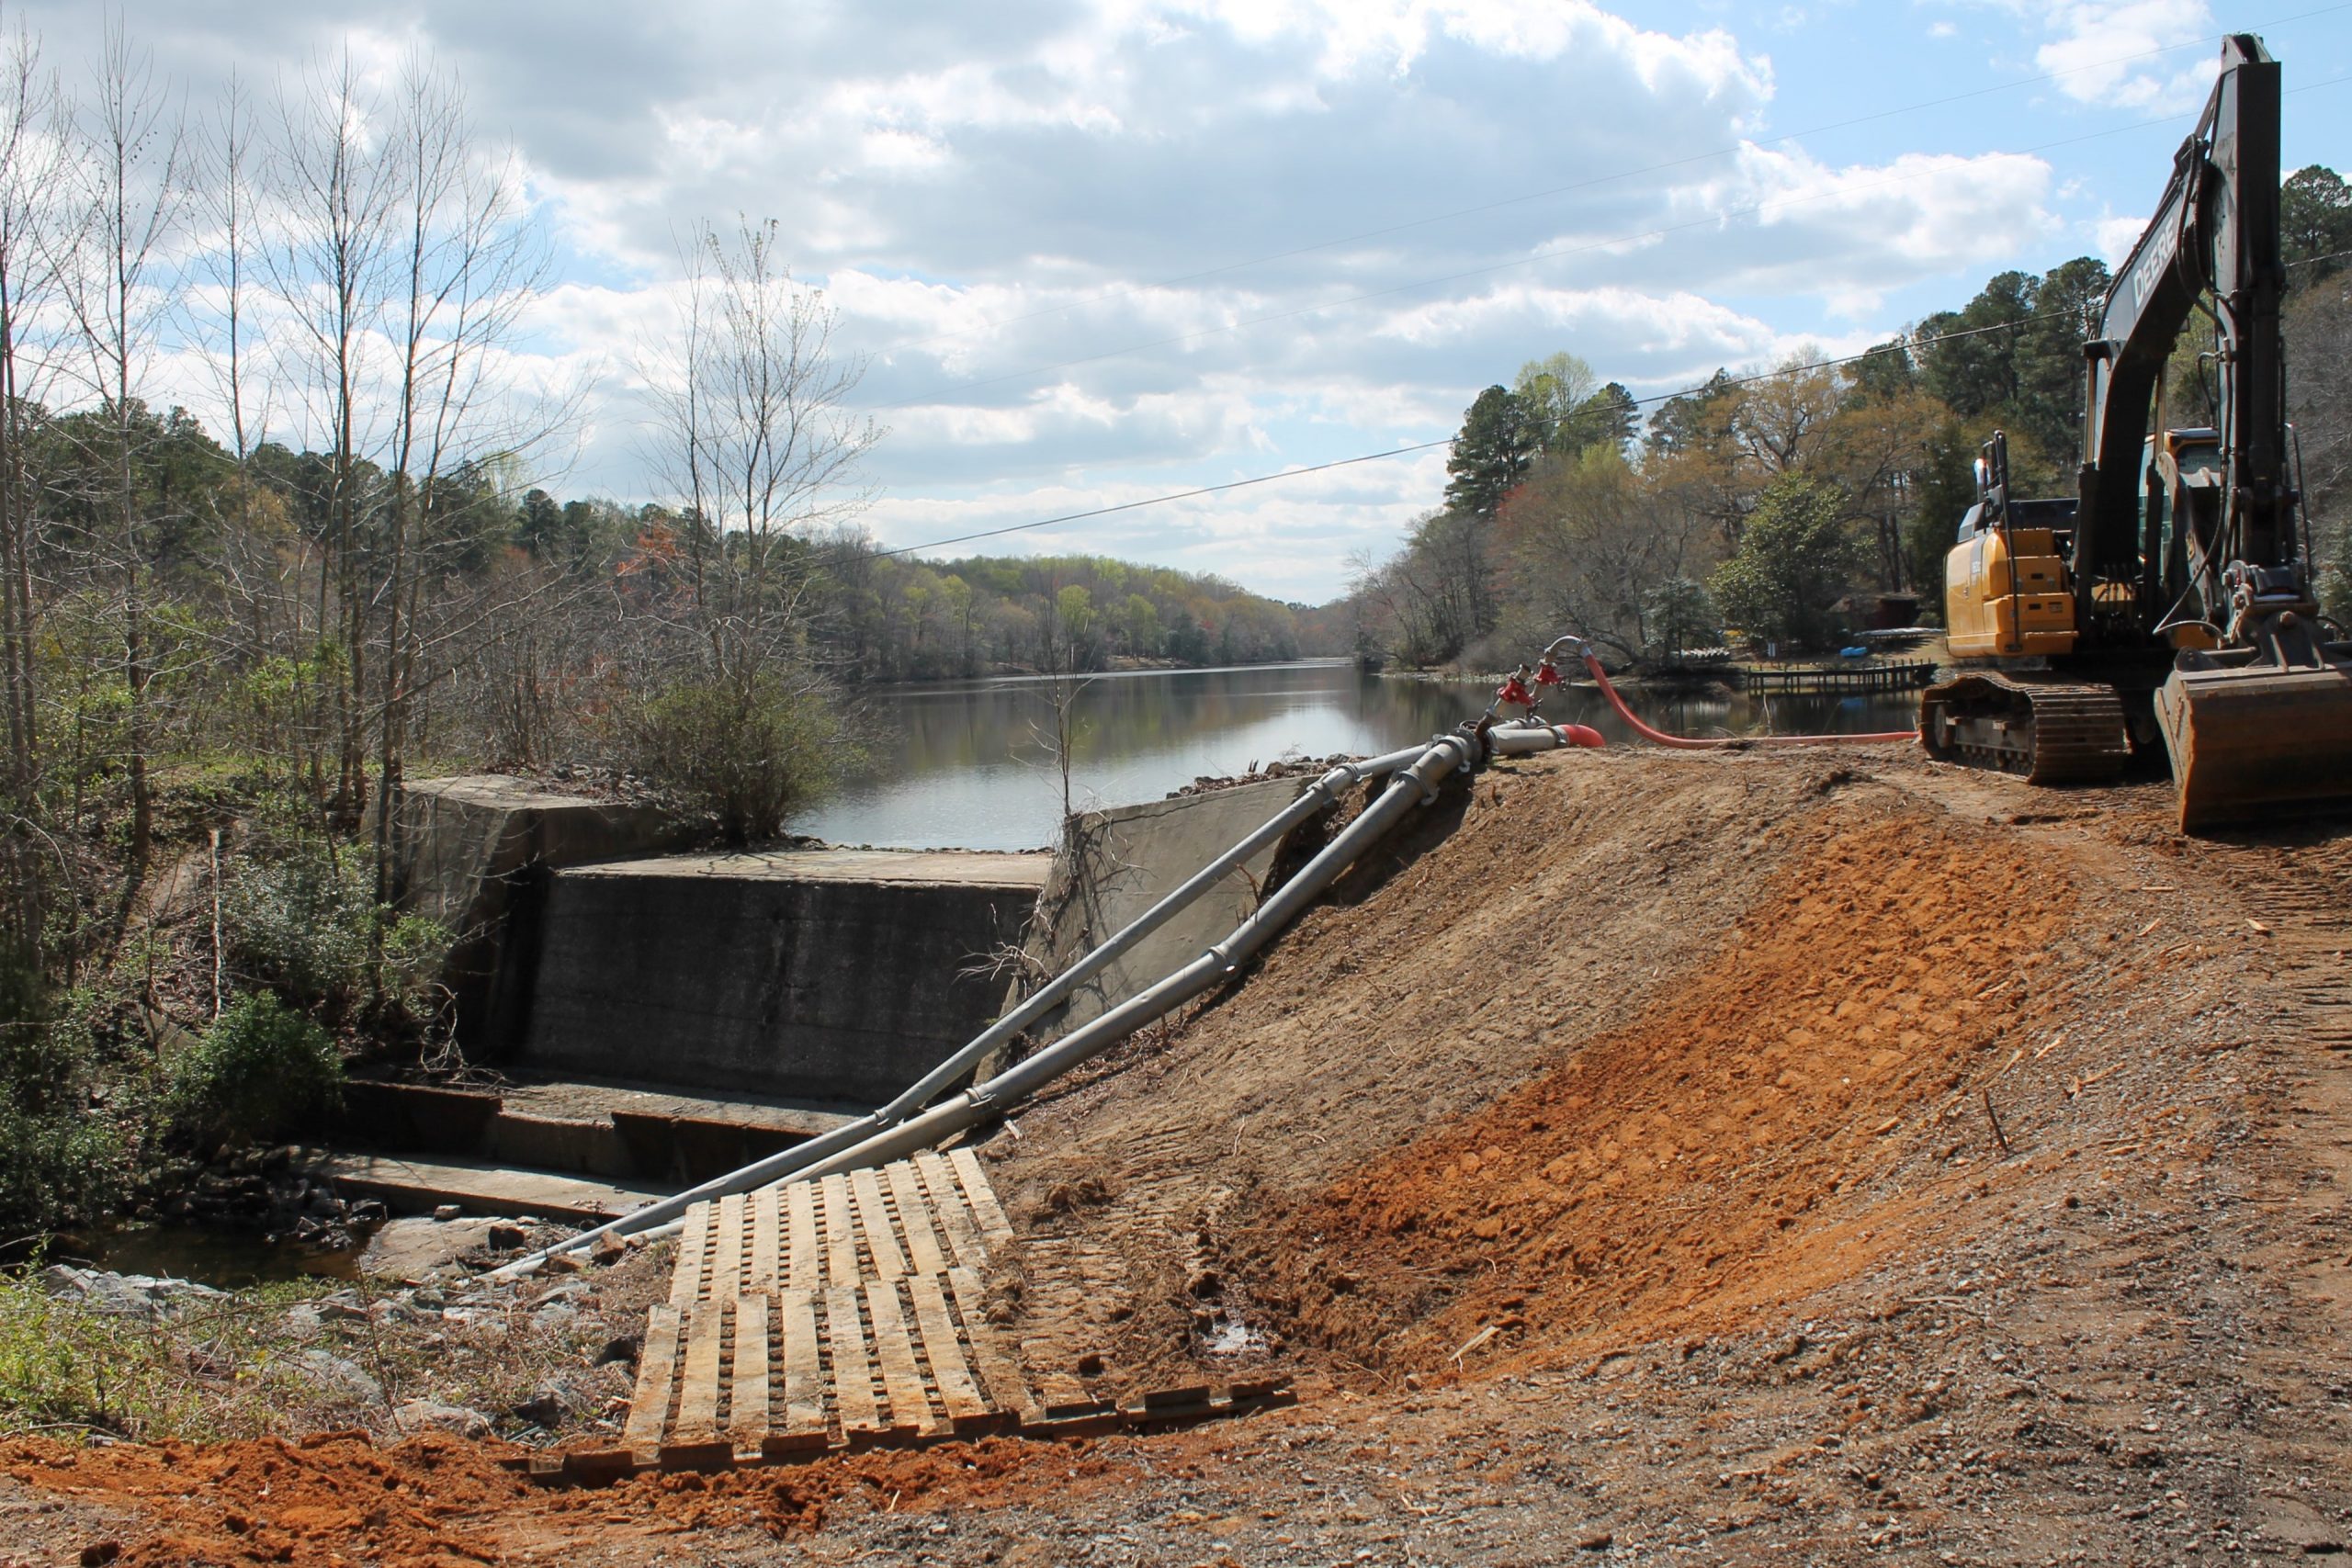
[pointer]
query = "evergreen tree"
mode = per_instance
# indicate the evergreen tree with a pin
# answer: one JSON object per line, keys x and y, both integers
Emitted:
{"x": 1498, "y": 441}
{"x": 1607, "y": 418}
{"x": 1694, "y": 422}
{"x": 2314, "y": 224}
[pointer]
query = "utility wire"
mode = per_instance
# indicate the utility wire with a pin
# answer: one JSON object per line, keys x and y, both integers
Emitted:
{"x": 1904, "y": 343}
{"x": 1709, "y": 221}
{"x": 1590, "y": 183}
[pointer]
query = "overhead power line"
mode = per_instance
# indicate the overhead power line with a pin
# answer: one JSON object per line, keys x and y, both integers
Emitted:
{"x": 1726, "y": 383}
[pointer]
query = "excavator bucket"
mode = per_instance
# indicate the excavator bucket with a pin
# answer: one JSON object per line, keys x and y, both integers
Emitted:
{"x": 2257, "y": 741}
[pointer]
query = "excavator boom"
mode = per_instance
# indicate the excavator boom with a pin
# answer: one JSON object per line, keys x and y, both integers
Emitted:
{"x": 2182, "y": 589}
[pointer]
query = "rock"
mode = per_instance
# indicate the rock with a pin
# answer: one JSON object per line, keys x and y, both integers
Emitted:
{"x": 339, "y": 1377}
{"x": 1595, "y": 1541}
{"x": 566, "y": 1263}
{"x": 100, "y": 1552}
{"x": 505, "y": 1236}
{"x": 304, "y": 1321}
{"x": 446, "y": 1212}
{"x": 626, "y": 1348}
{"x": 562, "y": 1290}
{"x": 411, "y": 1249}
{"x": 423, "y": 1415}
{"x": 132, "y": 1295}
{"x": 544, "y": 1408}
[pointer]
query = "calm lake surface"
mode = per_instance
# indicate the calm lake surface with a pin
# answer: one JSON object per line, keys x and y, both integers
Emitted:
{"x": 968, "y": 765}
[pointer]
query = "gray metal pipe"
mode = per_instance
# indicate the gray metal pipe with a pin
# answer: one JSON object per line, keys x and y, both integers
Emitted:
{"x": 802, "y": 1157}
{"x": 1413, "y": 786}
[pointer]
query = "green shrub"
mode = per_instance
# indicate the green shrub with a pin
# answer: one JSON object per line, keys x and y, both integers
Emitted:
{"x": 303, "y": 919}
{"x": 259, "y": 1073}
{"x": 1796, "y": 557}
{"x": 61, "y": 1163}
{"x": 748, "y": 749}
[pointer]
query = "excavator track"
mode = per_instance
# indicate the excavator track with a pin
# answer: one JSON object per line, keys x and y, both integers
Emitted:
{"x": 2049, "y": 731}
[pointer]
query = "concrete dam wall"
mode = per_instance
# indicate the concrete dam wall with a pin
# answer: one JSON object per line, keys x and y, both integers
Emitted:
{"x": 833, "y": 975}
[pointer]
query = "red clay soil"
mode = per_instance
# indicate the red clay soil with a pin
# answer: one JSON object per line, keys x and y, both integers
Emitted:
{"x": 441, "y": 1502}
{"x": 1729, "y": 1158}
{"x": 1675, "y": 1177}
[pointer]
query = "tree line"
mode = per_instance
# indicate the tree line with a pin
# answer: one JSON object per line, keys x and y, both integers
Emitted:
{"x": 1771, "y": 503}
{"x": 227, "y": 635}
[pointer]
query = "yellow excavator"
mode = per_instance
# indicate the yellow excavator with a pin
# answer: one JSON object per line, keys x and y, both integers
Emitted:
{"x": 2171, "y": 596}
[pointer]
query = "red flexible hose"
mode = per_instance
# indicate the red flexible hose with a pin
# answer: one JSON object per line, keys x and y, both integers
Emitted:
{"x": 1681, "y": 742}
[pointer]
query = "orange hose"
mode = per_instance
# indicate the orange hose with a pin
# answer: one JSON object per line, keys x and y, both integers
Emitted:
{"x": 1683, "y": 742}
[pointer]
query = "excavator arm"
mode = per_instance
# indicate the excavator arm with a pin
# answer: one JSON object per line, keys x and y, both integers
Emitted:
{"x": 2256, "y": 713}
{"x": 2213, "y": 244}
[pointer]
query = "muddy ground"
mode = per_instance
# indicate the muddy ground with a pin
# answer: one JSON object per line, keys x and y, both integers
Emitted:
{"x": 1712, "y": 1158}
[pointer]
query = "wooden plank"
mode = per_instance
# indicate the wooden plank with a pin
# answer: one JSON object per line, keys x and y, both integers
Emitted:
{"x": 981, "y": 1196}
{"x": 841, "y": 1233}
{"x": 649, "y": 1409}
{"x": 698, "y": 1374}
{"x": 956, "y": 1390}
{"x": 726, "y": 1252}
{"x": 800, "y": 1198}
{"x": 881, "y": 1242}
{"x": 804, "y": 1377}
{"x": 947, "y": 1202}
{"x": 998, "y": 1369}
{"x": 901, "y": 1378}
{"x": 686, "y": 1283}
{"x": 852, "y": 1376}
{"x": 766, "y": 1260}
{"x": 747, "y": 1409}
{"x": 914, "y": 1219}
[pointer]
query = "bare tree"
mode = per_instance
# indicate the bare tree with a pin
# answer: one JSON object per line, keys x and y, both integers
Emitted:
{"x": 336, "y": 201}
{"x": 468, "y": 262}
{"x": 133, "y": 164}
{"x": 754, "y": 441}
{"x": 30, "y": 120}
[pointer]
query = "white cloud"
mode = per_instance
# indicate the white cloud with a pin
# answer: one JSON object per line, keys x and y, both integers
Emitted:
{"x": 2115, "y": 237}
{"x": 2120, "y": 54}
{"x": 1091, "y": 248}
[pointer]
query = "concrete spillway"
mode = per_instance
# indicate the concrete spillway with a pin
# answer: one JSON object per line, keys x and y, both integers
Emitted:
{"x": 826, "y": 975}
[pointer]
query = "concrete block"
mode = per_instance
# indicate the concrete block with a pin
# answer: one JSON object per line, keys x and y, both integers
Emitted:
{"x": 830, "y": 976}
{"x": 473, "y": 853}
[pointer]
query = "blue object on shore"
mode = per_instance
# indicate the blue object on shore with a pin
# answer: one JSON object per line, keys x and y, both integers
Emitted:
{"x": 1853, "y": 653}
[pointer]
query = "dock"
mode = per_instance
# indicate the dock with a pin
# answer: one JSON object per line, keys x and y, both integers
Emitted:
{"x": 1853, "y": 681}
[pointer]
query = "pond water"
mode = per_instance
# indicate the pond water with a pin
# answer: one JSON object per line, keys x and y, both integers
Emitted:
{"x": 969, "y": 764}
{"x": 226, "y": 1260}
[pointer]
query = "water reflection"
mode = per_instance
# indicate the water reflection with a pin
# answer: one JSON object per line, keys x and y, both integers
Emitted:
{"x": 969, "y": 764}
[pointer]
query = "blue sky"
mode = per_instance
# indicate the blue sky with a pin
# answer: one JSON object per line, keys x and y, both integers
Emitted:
{"x": 1095, "y": 252}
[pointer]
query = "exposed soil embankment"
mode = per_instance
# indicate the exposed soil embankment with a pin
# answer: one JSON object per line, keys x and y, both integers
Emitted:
{"x": 1733, "y": 1158}
{"x": 1799, "y": 1104}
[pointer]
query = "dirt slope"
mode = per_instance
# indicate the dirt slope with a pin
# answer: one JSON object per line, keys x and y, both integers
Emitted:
{"x": 1619, "y": 1176}
{"x": 1807, "y": 1082}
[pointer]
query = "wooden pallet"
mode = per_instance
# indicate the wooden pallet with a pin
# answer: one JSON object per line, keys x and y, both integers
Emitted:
{"x": 846, "y": 1313}
{"x": 918, "y": 1216}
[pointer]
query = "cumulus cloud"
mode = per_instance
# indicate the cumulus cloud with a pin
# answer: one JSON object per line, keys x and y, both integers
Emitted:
{"x": 1094, "y": 249}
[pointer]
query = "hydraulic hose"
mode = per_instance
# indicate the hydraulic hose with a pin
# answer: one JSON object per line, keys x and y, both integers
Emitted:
{"x": 1583, "y": 650}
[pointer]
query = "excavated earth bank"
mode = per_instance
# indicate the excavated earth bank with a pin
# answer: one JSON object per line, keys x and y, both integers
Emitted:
{"x": 1722, "y": 1157}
